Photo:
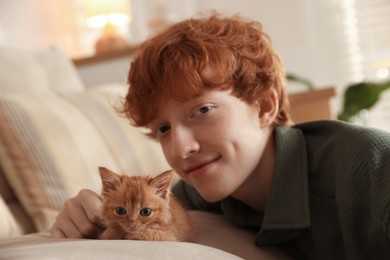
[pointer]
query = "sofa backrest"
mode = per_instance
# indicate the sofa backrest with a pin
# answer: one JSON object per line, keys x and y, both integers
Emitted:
{"x": 37, "y": 70}
{"x": 54, "y": 134}
{"x": 24, "y": 71}
{"x": 14, "y": 220}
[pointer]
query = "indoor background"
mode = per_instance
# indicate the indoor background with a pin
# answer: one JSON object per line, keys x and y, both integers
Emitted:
{"x": 330, "y": 42}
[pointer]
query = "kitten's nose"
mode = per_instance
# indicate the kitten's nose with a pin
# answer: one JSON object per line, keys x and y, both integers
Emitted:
{"x": 131, "y": 223}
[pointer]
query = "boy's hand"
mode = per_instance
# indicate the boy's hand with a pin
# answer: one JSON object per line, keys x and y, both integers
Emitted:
{"x": 79, "y": 217}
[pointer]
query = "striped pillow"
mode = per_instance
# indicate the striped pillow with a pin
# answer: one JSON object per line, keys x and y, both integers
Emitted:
{"x": 52, "y": 143}
{"x": 8, "y": 225}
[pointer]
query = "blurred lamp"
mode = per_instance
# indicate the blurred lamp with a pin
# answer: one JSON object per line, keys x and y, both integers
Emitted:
{"x": 107, "y": 15}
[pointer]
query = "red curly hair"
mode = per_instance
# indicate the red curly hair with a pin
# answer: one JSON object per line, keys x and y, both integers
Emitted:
{"x": 171, "y": 63}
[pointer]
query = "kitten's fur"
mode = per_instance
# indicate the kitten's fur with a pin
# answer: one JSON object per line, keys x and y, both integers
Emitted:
{"x": 126, "y": 204}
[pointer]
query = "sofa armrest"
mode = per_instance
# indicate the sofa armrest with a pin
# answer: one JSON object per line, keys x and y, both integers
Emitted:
{"x": 215, "y": 239}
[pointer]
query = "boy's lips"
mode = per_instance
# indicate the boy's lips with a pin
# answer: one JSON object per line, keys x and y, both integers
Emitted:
{"x": 199, "y": 165}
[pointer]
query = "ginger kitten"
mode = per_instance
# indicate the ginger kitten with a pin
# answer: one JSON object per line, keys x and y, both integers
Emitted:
{"x": 141, "y": 208}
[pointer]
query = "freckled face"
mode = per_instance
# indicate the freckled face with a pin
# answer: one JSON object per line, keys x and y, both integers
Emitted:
{"x": 214, "y": 142}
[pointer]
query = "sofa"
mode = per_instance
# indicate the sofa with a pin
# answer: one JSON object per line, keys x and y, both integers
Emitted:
{"x": 54, "y": 134}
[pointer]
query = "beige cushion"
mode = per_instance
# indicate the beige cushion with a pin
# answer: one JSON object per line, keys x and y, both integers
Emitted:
{"x": 8, "y": 225}
{"x": 215, "y": 238}
{"x": 13, "y": 206}
{"x": 5, "y": 190}
{"x": 40, "y": 247}
{"x": 52, "y": 143}
{"x": 37, "y": 70}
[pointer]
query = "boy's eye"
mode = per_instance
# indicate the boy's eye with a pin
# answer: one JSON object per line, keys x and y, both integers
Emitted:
{"x": 204, "y": 109}
{"x": 162, "y": 130}
{"x": 120, "y": 211}
{"x": 145, "y": 212}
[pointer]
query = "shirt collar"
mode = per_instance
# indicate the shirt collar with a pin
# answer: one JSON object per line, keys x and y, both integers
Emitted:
{"x": 288, "y": 201}
{"x": 287, "y": 206}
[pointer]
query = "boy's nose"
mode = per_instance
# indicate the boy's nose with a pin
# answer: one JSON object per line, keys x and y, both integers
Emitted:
{"x": 184, "y": 142}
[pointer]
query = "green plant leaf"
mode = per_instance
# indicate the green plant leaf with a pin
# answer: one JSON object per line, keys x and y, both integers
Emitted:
{"x": 359, "y": 96}
{"x": 304, "y": 81}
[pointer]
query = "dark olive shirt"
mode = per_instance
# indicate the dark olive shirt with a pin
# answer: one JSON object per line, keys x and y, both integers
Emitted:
{"x": 329, "y": 196}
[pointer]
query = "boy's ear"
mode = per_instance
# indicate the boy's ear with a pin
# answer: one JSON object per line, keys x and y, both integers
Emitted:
{"x": 268, "y": 109}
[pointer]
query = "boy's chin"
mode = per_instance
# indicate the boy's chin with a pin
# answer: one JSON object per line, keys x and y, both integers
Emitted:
{"x": 213, "y": 197}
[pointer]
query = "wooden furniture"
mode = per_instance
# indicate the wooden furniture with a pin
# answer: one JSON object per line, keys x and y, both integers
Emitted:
{"x": 305, "y": 106}
{"x": 104, "y": 56}
{"x": 312, "y": 105}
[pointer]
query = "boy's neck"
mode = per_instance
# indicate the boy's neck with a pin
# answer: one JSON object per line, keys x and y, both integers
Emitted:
{"x": 254, "y": 191}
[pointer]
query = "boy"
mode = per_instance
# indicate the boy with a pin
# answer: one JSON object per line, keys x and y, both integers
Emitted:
{"x": 212, "y": 93}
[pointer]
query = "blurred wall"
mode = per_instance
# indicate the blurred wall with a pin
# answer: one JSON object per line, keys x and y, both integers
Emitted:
{"x": 308, "y": 34}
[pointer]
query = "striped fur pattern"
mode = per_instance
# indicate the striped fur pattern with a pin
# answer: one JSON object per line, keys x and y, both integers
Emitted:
{"x": 142, "y": 208}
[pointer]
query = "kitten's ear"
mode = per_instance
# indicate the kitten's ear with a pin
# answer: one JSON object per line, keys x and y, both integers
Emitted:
{"x": 110, "y": 179}
{"x": 162, "y": 182}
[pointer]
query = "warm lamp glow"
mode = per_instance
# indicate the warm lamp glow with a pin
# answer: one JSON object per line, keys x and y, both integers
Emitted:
{"x": 107, "y": 15}
{"x": 99, "y": 21}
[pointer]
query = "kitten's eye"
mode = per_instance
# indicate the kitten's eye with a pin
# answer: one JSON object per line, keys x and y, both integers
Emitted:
{"x": 145, "y": 212}
{"x": 120, "y": 211}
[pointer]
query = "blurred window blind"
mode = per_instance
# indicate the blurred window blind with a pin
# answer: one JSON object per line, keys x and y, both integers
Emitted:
{"x": 367, "y": 34}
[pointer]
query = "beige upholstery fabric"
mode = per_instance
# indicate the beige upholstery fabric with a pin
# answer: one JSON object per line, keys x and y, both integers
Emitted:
{"x": 215, "y": 239}
{"x": 13, "y": 219}
{"x": 5, "y": 190}
{"x": 52, "y": 143}
{"x": 8, "y": 225}
{"x": 26, "y": 71}
{"x": 40, "y": 248}
{"x": 37, "y": 70}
